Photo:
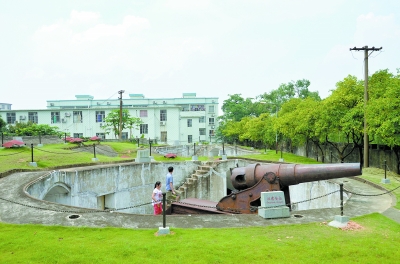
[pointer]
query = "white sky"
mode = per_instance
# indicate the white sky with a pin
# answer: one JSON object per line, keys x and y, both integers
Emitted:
{"x": 53, "y": 50}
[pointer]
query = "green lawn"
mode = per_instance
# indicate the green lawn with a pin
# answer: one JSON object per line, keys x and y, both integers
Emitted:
{"x": 56, "y": 155}
{"x": 271, "y": 155}
{"x": 376, "y": 242}
{"x": 376, "y": 175}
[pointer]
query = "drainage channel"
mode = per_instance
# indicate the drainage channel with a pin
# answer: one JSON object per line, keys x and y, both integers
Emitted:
{"x": 73, "y": 217}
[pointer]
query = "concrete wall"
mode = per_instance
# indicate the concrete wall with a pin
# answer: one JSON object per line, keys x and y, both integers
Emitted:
{"x": 28, "y": 140}
{"x": 116, "y": 186}
{"x": 220, "y": 178}
{"x": 308, "y": 190}
{"x": 377, "y": 155}
{"x": 131, "y": 185}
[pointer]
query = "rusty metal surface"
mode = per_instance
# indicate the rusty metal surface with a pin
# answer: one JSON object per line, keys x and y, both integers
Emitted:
{"x": 291, "y": 174}
{"x": 247, "y": 201}
{"x": 195, "y": 206}
{"x": 250, "y": 181}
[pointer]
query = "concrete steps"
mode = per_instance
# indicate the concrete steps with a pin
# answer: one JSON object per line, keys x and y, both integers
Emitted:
{"x": 189, "y": 187}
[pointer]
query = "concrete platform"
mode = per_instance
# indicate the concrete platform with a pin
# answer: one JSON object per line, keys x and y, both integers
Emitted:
{"x": 16, "y": 207}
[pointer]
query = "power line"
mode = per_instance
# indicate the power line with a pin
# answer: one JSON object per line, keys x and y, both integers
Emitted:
{"x": 366, "y": 140}
{"x": 120, "y": 92}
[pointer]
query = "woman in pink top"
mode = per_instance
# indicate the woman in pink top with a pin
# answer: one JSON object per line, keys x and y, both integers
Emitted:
{"x": 157, "y": 198}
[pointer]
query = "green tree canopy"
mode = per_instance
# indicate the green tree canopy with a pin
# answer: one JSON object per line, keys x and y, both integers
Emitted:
{"x": 383, "y": 117}
{"x": 285, "y": 92}
{"x": 112, "y": 121}
{"x": 236, "y": 107}
{"x": 341, "y": 119}
{"x": 32, "y": 129}
{"x": 3, "y": 124}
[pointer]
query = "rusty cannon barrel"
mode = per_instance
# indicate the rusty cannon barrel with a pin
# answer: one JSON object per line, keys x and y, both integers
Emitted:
{"x": 291, "y": 174}
{"x": 254, "y": 179}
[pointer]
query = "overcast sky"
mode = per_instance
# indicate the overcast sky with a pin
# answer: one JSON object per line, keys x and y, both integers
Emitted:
{"x": 53, "y": 50}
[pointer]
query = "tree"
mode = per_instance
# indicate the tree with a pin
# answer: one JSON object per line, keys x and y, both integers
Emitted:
{"x": 285, "y": 92}
{"x": 382, "y": 111}
{"x": 261, "y": 129}
{"x": 133, "y": 122}
{"x": 33, "y": 129}
{"x": 236, "y": 107}
{"x": 296, "y": 121}
{"x": 230, "y": 130}
{"x": 3, "y": 124}
{"x": 341, "y": 121}
{"x": 112, "y": 121}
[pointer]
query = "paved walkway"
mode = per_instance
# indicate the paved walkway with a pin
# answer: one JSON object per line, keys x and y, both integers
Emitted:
{"x": 393, "y": 214}
{"x": 17, "y": 207}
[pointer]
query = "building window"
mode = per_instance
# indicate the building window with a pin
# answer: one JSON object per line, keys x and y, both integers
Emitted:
{"x": 163, "y": 115}
{"x": 78, "y": 135}
{"x": 55, "y": 117}
{"x": 143, "y": 113}
{"x": 197, "y": 108}
{"x": 77, "y": 116}
{"x": 101, "y": 135}
{"x": 144, "y": 128}
{"x": 124, "y": 135}
{"x": 211, "y": 109}
{"x": 33, "y": 117}
{"x": 202, "y": 131}
{"x": 185, "y": 107}
{"x": 100, "y": 116}
{"x": 202, "y": 119}
{"x": 189, "y": 122}
{"x": 211, "y": 132}
{"x": 189, "y": 138}
{"x": 211, "y": 121}
{"x": 10, "y": 118}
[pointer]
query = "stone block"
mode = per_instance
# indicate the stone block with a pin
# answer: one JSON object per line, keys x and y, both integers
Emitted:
{"x": 272, "y": 199}
{"x": 164, "y": 230}
{"x": 276, "y": 212}
{"x": 342, "y": 218}
{"x": 143, "y": 156}
{"x": 142, "y": 160}
{"x": 385, "y": 181}
{"x": 143, "y": 153}
{"x": 273, "y": 205}
{"x": 213, "y": 152}
{"x": 340, "y": 221}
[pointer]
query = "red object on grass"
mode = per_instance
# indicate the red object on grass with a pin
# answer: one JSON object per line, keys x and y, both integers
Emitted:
{"x": 75, "y": 140}
{"x": 13, "y": 143}
{"x": 170, "y": 155}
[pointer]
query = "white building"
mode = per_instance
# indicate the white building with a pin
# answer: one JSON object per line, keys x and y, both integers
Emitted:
{"x": 171, "y": 120}
{"x": 4, "y": 106}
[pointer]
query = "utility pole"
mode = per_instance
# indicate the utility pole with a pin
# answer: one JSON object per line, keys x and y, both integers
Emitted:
{"x": 366, "y": 140}
{"x": 120, "y": 113}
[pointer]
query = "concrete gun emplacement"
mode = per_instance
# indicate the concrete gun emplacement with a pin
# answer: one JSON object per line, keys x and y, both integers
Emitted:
{"x": 250, "y": 181}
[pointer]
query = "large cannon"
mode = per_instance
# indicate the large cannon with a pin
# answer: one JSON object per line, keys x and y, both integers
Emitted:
{"x": 250, "y": 181}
